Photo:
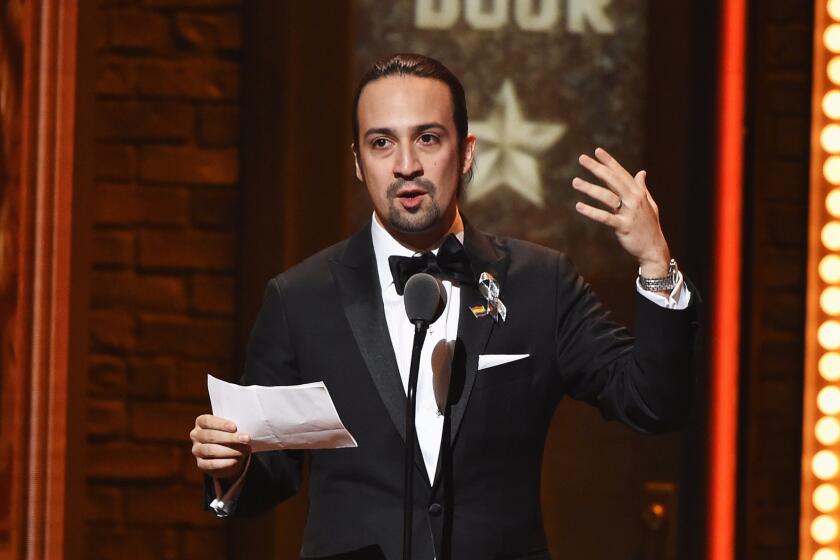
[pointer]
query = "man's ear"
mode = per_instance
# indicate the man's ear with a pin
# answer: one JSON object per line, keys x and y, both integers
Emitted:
{"x": 468, "y": 153}
{"x": 359, "y": 173}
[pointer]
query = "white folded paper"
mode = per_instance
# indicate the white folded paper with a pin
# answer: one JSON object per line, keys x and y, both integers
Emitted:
{"x": 282, "y": 417}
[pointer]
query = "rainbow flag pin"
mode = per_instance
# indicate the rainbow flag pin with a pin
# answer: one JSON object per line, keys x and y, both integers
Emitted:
{"x": 479, "y": 311}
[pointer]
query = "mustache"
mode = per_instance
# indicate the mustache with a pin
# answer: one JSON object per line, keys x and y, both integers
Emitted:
{"x": 425, "y": 184}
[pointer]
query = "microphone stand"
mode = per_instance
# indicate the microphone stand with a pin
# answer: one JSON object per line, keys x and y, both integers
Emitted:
{"x": 424, "y": 300}
{"x": 420, "y": 328}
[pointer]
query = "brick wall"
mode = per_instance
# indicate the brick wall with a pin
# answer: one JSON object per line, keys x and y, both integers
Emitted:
{"x": 776, "y": 206}
{"x": 164, "y": 261}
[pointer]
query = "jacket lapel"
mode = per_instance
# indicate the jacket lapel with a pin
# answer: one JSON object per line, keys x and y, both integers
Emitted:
{"x": 473, "y": 332}
{"x": 357, "y": 279}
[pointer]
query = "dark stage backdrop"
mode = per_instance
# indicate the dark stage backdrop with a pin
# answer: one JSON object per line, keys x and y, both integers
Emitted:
{"x": 547, "y": 80}
{"x": 11, "y": 88}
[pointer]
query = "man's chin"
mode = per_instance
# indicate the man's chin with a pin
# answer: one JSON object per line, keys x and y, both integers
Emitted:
{"x": 418, "y": 221}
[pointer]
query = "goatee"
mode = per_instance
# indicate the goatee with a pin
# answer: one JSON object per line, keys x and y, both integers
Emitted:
{"x": 412, "y": 222}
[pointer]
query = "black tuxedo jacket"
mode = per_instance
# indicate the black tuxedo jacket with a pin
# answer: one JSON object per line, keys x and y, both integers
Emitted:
{"x": 324, "y": 320}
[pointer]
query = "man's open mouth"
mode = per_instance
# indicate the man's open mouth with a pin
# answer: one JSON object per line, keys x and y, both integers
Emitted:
{"x": 411, "y": 198}
{"x": 411, "y": 193}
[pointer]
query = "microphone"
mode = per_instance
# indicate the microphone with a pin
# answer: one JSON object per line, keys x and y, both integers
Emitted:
{"x": 424, "y": 299}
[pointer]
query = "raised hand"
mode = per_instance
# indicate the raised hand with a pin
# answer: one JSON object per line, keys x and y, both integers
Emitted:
{"x": 634, "y": 215}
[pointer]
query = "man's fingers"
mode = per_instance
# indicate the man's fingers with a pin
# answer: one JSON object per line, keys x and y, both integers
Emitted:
{"x": 216, "y": 464}
{"x": 624, "y": 181}
{"x": 199, "y": 435}
{"x": 640, "y": 178}
{"x": 605, "y": 158}
{"x": 598, "y": 215}
{"x": 612, "y": 179}
{"x": 208, "y": 421}
{"x": 605, "y": 196}
{"x": 613, "y": 164}
{"x": 216, "y": 451}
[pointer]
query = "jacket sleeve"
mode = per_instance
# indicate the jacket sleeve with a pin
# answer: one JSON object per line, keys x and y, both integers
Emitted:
{"x": 645, "y": 382}
{"x": 272, "y": 476}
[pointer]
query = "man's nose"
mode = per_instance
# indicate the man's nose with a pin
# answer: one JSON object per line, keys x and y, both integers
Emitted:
{"x": 407, "y": 165}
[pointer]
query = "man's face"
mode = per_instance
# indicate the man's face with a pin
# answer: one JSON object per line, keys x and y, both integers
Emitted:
{"x": 408, "y": 154}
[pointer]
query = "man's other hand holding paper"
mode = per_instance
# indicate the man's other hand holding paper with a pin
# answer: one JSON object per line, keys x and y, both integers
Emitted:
{"x": 219, "y": 451}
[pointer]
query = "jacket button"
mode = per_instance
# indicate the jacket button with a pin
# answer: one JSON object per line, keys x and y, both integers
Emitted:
{"x": 435, "y": 509}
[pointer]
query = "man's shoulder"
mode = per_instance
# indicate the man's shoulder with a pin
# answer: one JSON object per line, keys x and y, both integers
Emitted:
{"x": 529, "y": 262}
{"x": 524, "y": 247}
{"x": 523, "y": 252}
{"x": 314, "y": 270}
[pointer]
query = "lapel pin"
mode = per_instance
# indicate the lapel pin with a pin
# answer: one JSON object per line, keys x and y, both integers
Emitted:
{"x": 489, "y": 288}
{"x": 478, "y": 311}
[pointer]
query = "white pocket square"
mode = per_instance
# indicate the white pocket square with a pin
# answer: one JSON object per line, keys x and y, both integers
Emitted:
{"x": 490, "y": 360}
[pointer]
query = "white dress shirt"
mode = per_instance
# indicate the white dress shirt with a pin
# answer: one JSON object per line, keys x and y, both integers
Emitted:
{"x": 436, "y": 357}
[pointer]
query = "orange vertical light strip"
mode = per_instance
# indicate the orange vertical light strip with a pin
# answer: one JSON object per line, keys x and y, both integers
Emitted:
{"x": 818, "y": 517}
{"x": 727, "y": 281}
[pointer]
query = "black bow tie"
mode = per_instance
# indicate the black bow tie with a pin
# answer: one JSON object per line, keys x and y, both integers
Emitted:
{"x": 451, "y": 263}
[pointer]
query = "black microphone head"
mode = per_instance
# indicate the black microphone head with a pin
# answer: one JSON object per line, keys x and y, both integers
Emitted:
{"x": 424, "y": 298}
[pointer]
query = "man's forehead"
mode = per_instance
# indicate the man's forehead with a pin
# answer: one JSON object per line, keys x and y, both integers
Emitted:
{"x": 404, "y": 101}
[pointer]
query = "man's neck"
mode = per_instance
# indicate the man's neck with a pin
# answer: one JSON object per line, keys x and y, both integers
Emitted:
{"x": 423, "y": 241}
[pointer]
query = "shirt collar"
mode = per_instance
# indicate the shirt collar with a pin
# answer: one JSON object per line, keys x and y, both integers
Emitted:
{"x": 384, "y": 245}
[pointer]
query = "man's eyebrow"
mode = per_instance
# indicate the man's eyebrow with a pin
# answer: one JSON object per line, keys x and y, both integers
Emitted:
{"x": 427, "y": 126}
{"x": 385, "y": 131}
{"x": 415, "y": 129}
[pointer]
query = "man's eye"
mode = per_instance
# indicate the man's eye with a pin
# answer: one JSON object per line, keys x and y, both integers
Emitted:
{"x": 380, "y": 143}
{"x": 428, "y": 138}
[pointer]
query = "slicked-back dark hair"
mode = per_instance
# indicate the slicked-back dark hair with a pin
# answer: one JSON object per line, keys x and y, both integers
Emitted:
{"x": 421, "y": 66}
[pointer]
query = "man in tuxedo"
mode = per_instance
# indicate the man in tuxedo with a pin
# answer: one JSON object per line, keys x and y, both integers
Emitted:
{"x": 492, "y": 369}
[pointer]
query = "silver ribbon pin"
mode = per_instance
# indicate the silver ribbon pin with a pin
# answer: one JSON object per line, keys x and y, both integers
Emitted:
{"x": 489, "y": 288}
